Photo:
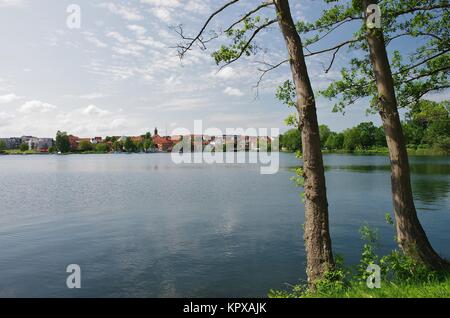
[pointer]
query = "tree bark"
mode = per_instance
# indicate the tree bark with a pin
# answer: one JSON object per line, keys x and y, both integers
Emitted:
{"x": 411, "y": 237}
{"x": 319, "y": 254}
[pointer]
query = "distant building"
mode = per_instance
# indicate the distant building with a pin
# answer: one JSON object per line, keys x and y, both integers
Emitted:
{"x": 137, "y": 139}
{"x": 43, "y": 144}
{"x": 162, "y": 143}
{"x": 12, "y": 142}
{"x": 73, "y": 140}
{"x": 96, "y": 140}
{"x": 80, "y": 140}
{"x": 177, "y": 138}
{"x": 34, "y": 143}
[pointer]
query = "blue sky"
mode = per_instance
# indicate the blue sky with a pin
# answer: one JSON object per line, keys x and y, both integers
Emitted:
{"x": 120, "y": 75}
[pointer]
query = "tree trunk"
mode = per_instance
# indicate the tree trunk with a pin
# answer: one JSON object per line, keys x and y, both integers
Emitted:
{"x": 410, "y": 235}
{"x": 319, "y": 254}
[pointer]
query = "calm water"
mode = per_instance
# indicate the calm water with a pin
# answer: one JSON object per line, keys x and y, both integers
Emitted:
{"x": 140, "y": 226}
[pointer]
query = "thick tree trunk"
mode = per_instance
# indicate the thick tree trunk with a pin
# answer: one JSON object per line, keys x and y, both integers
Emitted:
{"x": 410, "y": 235}
{"x": 317, "y": 235}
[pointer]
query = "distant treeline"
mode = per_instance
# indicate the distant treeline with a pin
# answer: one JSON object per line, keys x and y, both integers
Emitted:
{"x": 426, "y": 126}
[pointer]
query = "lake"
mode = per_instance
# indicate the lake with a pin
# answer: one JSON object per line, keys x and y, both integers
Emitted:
{"x": 141, "y": 226}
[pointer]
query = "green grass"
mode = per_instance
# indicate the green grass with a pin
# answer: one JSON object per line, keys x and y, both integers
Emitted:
{"x": 385, "y": 151}
{"x": 19, "y": 152}
{"x": 433, "y": 289}
{"x": 438, "y": 288}
{"x": 402, "y": 276}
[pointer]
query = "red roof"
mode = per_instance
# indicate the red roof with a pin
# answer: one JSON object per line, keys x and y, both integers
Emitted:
{"x": 158, "y": 140}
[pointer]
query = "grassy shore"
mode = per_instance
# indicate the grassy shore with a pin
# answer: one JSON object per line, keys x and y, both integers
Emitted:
{"x": 375, "y": 151}
{"x": 431, "y": 289}
{"x": 400, "y": 276}
{"x": 436, "y": 287}
{"x": 19, "y": 152}
{"x": 385, "y": 151}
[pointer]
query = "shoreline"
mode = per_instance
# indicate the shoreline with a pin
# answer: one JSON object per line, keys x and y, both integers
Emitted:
{"x": 419, "y": 152}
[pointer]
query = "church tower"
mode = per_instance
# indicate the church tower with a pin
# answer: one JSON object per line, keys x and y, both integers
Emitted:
{"x": 156, "y": 132}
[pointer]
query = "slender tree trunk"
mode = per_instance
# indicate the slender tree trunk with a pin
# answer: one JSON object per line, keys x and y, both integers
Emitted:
{"x": 317, "y": 234}
{"x": 410, "y": 235}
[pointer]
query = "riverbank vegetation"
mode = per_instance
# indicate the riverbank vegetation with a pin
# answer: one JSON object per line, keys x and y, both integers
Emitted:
{"x": 426, "y": 128}
{"x": 108, "y": 145}
{"x": 400, "y": 277}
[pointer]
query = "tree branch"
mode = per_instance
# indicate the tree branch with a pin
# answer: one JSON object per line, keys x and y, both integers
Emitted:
{"x": 336, "y": 49}
{"x": 401, "y": 71}
{"x": 427, "y": 8}
{"x": 340, "y": 23}
{"x": 270, "y": 67}
{"x": 248, "y": 14}
{"x": 432, "y": 72}
{"x": 184, "y": 48}
{"x": 332, "y": 48}
{"x": 388, "y": 41}
{"x": 247, "y": 44}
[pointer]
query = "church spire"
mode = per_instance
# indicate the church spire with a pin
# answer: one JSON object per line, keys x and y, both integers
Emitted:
{"x": 156, "y": 132}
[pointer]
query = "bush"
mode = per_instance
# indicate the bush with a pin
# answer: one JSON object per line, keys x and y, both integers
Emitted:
{"x": 85, "y": 146}
{"x": 2, "y": 146}
{"x": 102, "y": 148}
{"x": 401, "y": 276}
{"x": 24, "y": 147}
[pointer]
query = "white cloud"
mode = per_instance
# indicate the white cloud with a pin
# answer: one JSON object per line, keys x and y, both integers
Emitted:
{"x": 138, "y": 29}
{"x": 140, "y": 32}
{"x": 163, "y": 3}
{"x": 93, "y": 110}
{"x": 36, "y": 106}
{"x": 90, "y": 37}
{"x": 165, "y": 9}
{"x": 198, "y": 6}
{"x": 8, "y": 98}
{"x": 129, "y": 49}
{"x": 183, "y": 104}
{"x": 124, "y": 12}
{"x": 5, "y": 118}
{"x": 92, "y": 96}
{"x": 233, "y": 91}
{"x": 118, "y": 37}
{"x": 162, "y": 14}
{"x": 225, "y": 73}
{"x": 12, "y": 3}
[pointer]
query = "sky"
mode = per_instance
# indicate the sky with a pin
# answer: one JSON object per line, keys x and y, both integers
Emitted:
{"x": 119, "y": 73}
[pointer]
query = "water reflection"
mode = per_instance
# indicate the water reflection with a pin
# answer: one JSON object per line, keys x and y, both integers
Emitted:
{"x": 141, "y": 226}
{"x": 430, "y": 190}
{"x": 426, "y": 169}
{"x": 430, "y": 182}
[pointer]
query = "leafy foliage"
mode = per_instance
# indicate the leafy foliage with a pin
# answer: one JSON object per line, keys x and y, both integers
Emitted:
{"x": 62, "y": 142}
{"x": 423, "y": 71}
{"x": 128, "y": 145}
{"x": 401, "y": 276}
{"x": 242, "y": 44}
{"x": 2, "y": 146}
{"x": 102, "y": 148}
{"x": 85, "y": 146}
{"x": 428, "y": 124}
